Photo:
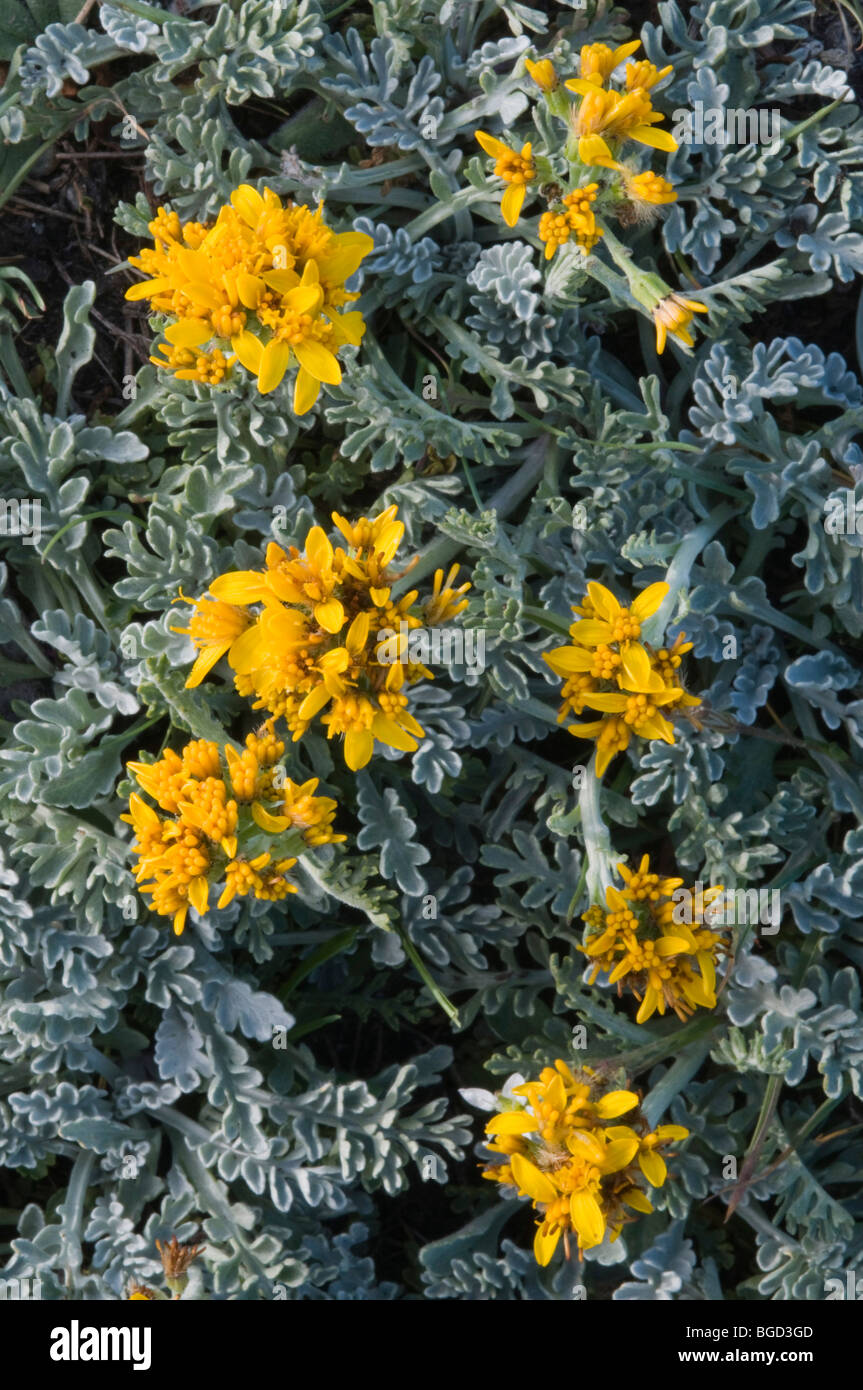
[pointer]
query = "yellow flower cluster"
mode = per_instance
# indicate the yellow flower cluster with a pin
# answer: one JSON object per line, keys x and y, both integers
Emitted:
{"x": 638, "y": 942}
{"x": 574, "y": 221}
{"x": 264, "y": 279}
{"x": 603, "y": 120}
{"x": 609, "y": 114}
{"x": 222, "y": 811}
{"x": 516, "y": 170}
{"x": 313, "y": 645}
{"x": 607, "y": 668}
{"x": 563, "y": 1149}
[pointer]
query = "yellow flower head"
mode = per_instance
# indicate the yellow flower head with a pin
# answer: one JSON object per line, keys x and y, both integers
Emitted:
{"x": 598, "y": 61}
{"x": 574, "y": 220}
{"x": 649, "y": 188}
{"x": 517, "y": 171}
{"x": 311, "y": 643}
{"x": 644, "y": 75}
{"x": 673, "y": 314}
{"x": 607, "y": 668}
{"x": 563, "y": 1148}
{"x": 543, "y": 74}
{"x": 213, "y": 628}
{"x": 619, "y": 116}
{"x": 654, "y": 942}
{"x": 265, "y": 280}
{"x": 217, "y": 802}
{"x": 446, "y": 602}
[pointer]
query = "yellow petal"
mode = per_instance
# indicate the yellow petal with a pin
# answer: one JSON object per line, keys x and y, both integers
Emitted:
{"x": 512, "y": 202}
{"x": 204, "y": 663}
{"x": 637, "y": 668}
{"x": 358, "y": 633}
{"x": 249, "y": 351}
{"x": 330, "y": 615}
{"x": 616, "y": 1103}
{"x": 587, "y": 1218}
{"x": 580, "y": 85}
{"x": 511, "y": 1122}
{"x": 648, "y": 1005}
{"x": 145, "y": 288}
{"x": 555, "y": 1095}
{"x": 318, "y": 548}
{"x": 314, "y": 702}
{"x": 494, "y": 147}
{"x": 189, "y": 332}
{"x": 653, "y": 1167}
{"x": 248, "y": 203}
{"x": 608, "y": 703}
{"x": 584, "y": 1145}
{"x": 305, "y": 299}
{"x": 318, "y": 361}
{"x": 649, "y": 600}
{"x": 544, "y": 1246}
{"x": 534, "y": 1184}
{"x": 638, "y": 1200}
{"x": 359, "y": 744}
{"x": 199, "y": 891}
{"x": 605, "y": 605}
{"x": 306, "y": 391}
{"x": 249, "y": 288}
{"x": 590, "y": 632}
{"x": 273, "y": 824}
{"x": 282, "y": 281}
{"x": 619, "y": 1153}
{"x": 566, "y": 660}
{"x": 658, "y": 139}
{"x": 592, "y": 149}
{"x": 671, "y": 946}
{"x": 274, "y": 364}
{"x": 239, "y": 587}
{"x": 389, "y": 732}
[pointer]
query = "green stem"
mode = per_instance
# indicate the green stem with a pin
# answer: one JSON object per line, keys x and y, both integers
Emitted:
{"x": 579, "y": 887}
{"x": 325, "y": 952}
{"x": 810, "y": 121}
{"x": 20, "y": 174}
{"x": 543, "y": 618}
{"x": 115, "y": 513}
{"x": 769, "y": 1103}
{"x": 11, "y": 362}
{"x": 422, "y": 969}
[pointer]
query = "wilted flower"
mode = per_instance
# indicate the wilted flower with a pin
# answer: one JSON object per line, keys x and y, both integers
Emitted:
{"x": 673, "y": 314}
{"x": 176, "y": 1258}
